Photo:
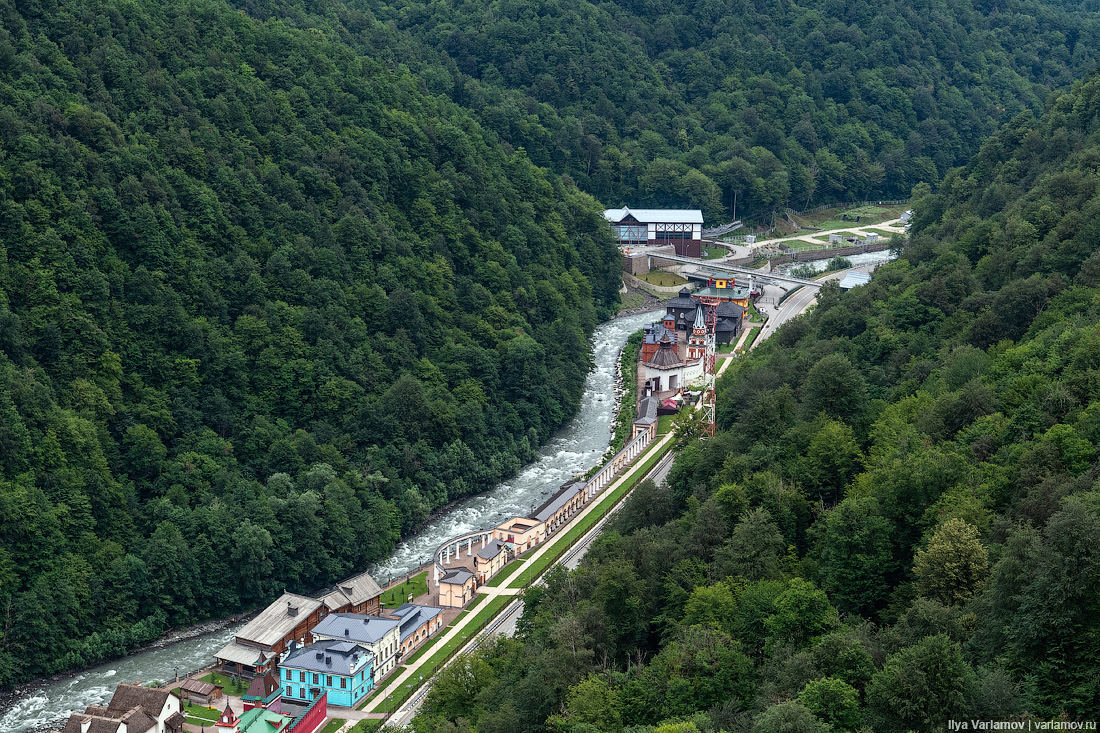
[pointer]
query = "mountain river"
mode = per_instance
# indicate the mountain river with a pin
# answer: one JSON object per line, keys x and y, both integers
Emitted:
{"x": 574, "y": 449}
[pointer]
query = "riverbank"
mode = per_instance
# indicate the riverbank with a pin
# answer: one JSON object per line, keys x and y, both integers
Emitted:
{"x": 648, "y": 303}
{"x": 10, "y": 698}
{"x": 578, "y": 445}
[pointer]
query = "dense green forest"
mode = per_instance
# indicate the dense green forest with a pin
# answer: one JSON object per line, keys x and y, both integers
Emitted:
{"x": 743, "y": 104}
{"x": 265, "y": 302}
{"x": 898, "y": 522}
{"x": 278, "y": 278}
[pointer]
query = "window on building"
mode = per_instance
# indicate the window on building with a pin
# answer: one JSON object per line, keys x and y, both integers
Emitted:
{"x": 328, "y": 680}
{"x": 343, "y": 683}
{"x": 315, "y": 680}
{"x": 301, "y": 676}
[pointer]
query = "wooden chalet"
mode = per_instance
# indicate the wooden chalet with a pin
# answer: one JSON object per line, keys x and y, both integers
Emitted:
{"x": 200, "y": 692}
{"x": 359, "y": 594}
{"x": 256, "y": 647}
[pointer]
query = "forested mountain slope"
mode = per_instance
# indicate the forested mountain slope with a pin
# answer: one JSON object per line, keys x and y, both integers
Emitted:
{"x": 767, "y": 104}
{"x": 265, "y": 302}
{"x": 898, "y": 523}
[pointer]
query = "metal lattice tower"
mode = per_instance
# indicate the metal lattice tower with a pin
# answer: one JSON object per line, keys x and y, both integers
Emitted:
{"x": 710, "y": 309}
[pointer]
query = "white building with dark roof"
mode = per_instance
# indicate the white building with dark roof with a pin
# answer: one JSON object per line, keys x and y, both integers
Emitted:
{"x": 681, "y": 229}
{"x": 379, "y": 635}
{"x": 457, "y": 588}
{"x": 132, "y": 709}
{"x": 490, "y": 560}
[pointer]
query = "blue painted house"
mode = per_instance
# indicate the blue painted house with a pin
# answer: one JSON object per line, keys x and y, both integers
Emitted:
{"x": 343, "y": 669}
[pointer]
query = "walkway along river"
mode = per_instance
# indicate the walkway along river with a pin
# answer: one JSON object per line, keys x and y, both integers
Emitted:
{"x": 572, "y": 450}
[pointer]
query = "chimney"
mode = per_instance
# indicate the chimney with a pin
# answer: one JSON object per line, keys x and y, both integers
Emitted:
{"x": 85, "y": 724}
{"x": 347, "y": 631}
{"x": 328, "y": 659}
{"x": 320, "y": 655}
{"x": 291, "y": 610}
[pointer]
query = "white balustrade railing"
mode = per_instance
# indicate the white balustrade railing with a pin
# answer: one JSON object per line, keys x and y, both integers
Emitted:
{"x": 452, "y": 548}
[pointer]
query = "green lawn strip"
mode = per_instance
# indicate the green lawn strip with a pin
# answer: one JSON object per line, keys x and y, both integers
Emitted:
{"x": 662, "y": 279}
{"x": 416, "y": 586}
{"x": 664, "y": 424}
{"x": 477, "y": 599}
{"x": 333, "y": 725}
{"x": 506, "y": 572}
{"x": 367, "y": 726}
{"x": 550, "y": 557}
{"x": 427, "y": 645}
{"x": 192, "y": 710}
{"x": 437, "y": 660}
{"x": 714, "y": 253}
{"x": 229, "y": 686}
{"x": 753, "y": 333}
{"x": 381, "y": 684}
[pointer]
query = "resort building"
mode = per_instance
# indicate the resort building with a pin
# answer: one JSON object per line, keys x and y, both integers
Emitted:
{"x": 457, "y": 588}
{"x": 200, "y": 692}
{"x": 559, "y": 507}
{"x": 261, "y": 720}
{"x": 489, "y": 560}
{"x": 256, "y": 647}
{"x": 670, "y": 369}
{"x": 342, "y": 670}
{"x": 682, "y": 308}
{"x": 520, "y": 534}
{"x": 646, "y": 421}
{"x": 264, "y": 692}
{"x": 680, "y": 228}
{"x": 379, "y": 635}
{"x": 417, "y": 624}
{"x": 726, "y": 289}
{"x": 132, "y": 709}
{"x": 355, "y": 595}
{"x": 730, "y": 319}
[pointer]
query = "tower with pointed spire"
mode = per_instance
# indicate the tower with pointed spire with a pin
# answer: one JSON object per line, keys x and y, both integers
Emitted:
{"x": 697, "y": 342}
{"x": 227, "y": 723}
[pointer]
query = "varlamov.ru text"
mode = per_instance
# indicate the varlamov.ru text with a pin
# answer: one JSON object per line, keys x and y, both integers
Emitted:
{"x": 954, "y": 725}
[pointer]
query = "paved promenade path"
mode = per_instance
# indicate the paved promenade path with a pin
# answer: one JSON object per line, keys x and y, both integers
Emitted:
{"x": 511, "y": 571}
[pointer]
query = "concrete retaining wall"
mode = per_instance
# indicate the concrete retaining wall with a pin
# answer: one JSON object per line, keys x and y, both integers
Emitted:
{"x": 827, "y": 254}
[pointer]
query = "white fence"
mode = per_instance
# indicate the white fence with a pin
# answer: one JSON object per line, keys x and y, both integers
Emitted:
{"x": 452, "y": 548}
